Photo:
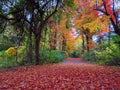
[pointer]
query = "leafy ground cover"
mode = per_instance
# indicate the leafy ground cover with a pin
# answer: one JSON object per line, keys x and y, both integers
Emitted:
{"x": 62, "y": 76}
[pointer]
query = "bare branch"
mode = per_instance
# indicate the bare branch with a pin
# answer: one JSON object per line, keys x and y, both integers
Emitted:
{"x": 102, "y": 11}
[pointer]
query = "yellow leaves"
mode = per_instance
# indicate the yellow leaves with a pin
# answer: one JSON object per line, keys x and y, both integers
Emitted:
{"x": 12, "y": 51}
{"x": 87, "y": 25}
{"x": 71, "y": 44}
{"x": 90, "y": 19}
{"x": 93, "y": 3}
{"x": 79, "y": 39}
{"x": 93, "y": 25}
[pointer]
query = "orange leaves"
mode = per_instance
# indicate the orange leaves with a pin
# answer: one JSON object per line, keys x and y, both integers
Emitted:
{"x": 91, "y": 45}
{"x": 61, "y": 36}
{"x": 64, "y": 76}
{"x": 89, "y": 19}
{"x": 93, "y": 2}
{"x": 76, "y": 0}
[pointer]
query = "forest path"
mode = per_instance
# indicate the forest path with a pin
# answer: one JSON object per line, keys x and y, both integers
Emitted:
{"x": 74, "y": 60}
{"x": 62, "y": 76}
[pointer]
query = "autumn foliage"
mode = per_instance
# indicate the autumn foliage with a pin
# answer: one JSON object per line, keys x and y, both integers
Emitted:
{"x": 61, "y": 35}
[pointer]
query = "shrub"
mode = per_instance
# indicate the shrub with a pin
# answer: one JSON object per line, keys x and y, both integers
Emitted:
{"x": 8, "y": 62}
{"x": 13, "y": 56}
{"x": 114, "y": 55}
{"x": 22, "y": 56}
{"x": 64, "y": 53}
{"x": 12, "y": 51}
{"x": 90, "y": 56}
{"x": 105, "y": 55}
{"x": 2, "y": 53}
{"x": 76, "y": 54}
{"x": 52, "y": 56}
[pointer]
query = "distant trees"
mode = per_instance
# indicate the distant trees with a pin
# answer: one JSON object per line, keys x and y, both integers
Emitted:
{"x": 61, "y": 33}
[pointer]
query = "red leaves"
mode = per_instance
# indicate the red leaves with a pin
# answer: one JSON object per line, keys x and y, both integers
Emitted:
{"x": 64, "y": 76}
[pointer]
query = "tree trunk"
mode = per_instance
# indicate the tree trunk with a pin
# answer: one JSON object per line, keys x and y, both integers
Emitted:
{"x": 83, "y": 44}
{"x": 117, "y": 30}
{"x": 55, "y": 36}
{"x": 30, "y": 47}
{"x": 115, "y": 26}
{"x": 109, "y": 35}
{"x": 64, "y": 44}
{"x": 37, "y": 48}
{"x": 87, "y": 40}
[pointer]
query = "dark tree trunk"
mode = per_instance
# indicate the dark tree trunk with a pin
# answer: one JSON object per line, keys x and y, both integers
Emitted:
{"x": 64, "y": 44}
{"x": 87, "y": 40}
{"x": 37, "y": 48}
{"x": 55, "y": 36}
{"x": 87, "y": 34}
{"x": 83, "y": 44}
{"x": 30, "y": 47}
{"x": 117, "y": 30}
{"x": 115, "y": 26}
{"x": 109, "y": 36}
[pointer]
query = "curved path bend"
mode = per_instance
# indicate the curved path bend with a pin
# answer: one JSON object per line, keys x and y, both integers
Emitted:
{"x": 74, "y": 60}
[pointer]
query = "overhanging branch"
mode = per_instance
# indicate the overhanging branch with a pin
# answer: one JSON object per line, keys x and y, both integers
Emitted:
{"x": 102, "y": 11}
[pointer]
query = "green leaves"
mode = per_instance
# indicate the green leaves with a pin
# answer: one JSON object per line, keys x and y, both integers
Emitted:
{"x": 70, "y": 3}
{"x": 68, "y": 24}
{"x": 53, "y": 56}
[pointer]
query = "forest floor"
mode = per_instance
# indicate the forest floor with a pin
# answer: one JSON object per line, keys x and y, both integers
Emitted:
{"x": 73, "y": 74}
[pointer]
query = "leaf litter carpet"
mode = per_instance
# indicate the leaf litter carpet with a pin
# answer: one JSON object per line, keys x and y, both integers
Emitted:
{"x": 62, "y": 76}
